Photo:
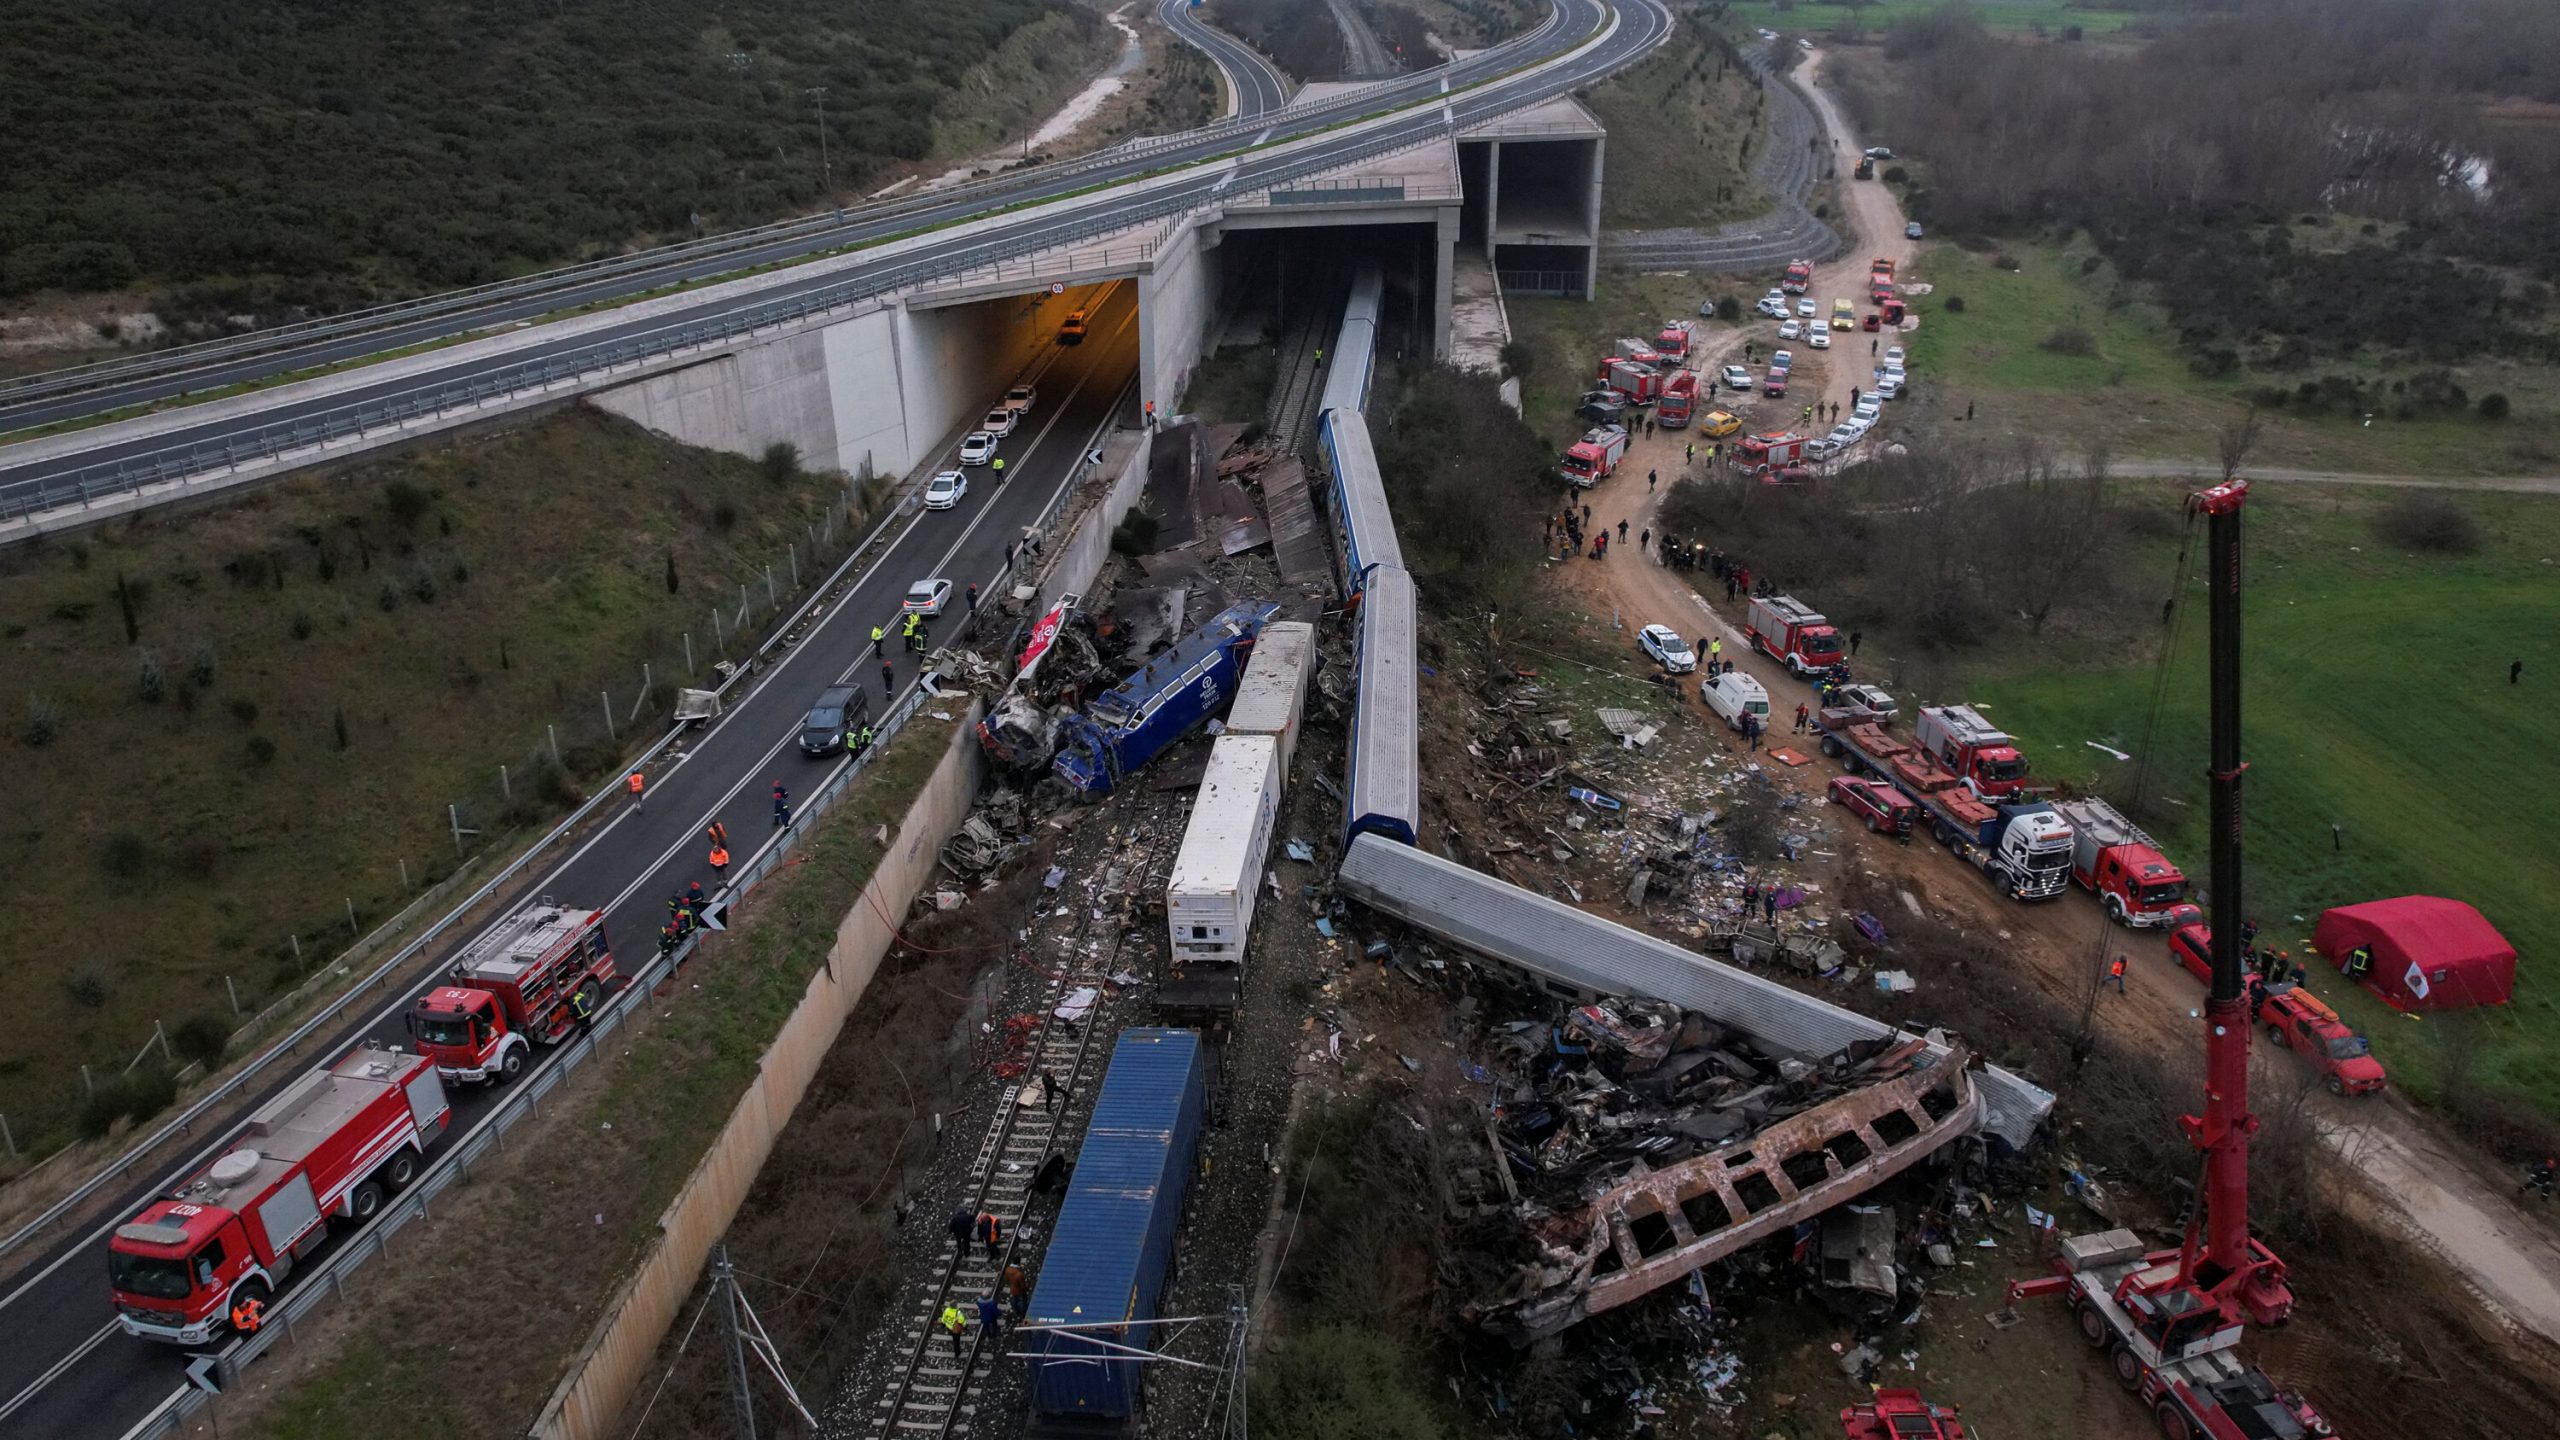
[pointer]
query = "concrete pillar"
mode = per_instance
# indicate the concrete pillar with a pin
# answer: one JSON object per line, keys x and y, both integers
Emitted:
{"x": 1591, "y": 263}
{"x": 1492, "y": 202}
{"x": 1447, "y": 276}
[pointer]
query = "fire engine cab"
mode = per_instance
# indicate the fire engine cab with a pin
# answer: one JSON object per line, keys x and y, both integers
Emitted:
{"x": 523, "y": 984}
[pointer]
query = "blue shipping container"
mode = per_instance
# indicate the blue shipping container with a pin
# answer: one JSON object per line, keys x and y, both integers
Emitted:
{"x": 1107, "y": 1258}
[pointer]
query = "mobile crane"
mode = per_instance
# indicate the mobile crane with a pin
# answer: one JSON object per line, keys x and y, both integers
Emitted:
{"x": 2170, "y": 1320}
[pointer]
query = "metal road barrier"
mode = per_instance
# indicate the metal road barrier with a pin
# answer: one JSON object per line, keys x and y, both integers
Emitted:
{"x": 610, "y": 794}
{"x": 522, "y": 1101}
{"x": 110, "y": 477}
{"x": 179, "y": 358}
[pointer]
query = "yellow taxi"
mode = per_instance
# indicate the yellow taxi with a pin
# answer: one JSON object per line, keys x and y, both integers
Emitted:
{"x": 1718, "y": 424}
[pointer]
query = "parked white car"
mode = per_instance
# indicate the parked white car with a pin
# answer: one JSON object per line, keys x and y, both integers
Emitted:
{"x": 999, "y": 422}
{"x": 1665, "y": 645}
{"x": 1867, "y": 408}
{"x": 927, "y": 597}
{"x": 1019, "y": 398}
{"x": 1804, "y": 307}
{"x": 1889, "y": 386}
{"x": 978, "y": 448}
{"x": 1734, "y": 377}
{"x": 945, "y": 490}
{"x": 1774, "y": 309}
{"x": 1791, "y": 331}
{"x": 1893, "y": 357}
{"x": 1819, "y": 337}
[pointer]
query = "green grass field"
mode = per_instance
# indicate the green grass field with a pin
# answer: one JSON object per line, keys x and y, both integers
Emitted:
{"x": 2377, "y": 701}
{"x": 341, "y": 656}
{"x": 1820, "y": 17}
{"x": 2133, "y": 390}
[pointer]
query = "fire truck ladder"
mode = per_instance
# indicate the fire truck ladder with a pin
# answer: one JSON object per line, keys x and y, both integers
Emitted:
{"x": 932, "y": 1395}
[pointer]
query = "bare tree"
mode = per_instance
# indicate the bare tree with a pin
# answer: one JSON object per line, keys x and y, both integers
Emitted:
{"x": 2051, "y": 527}
{"x": 2235, "y": 443}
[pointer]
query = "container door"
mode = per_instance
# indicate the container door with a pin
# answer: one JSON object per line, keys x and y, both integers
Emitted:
{"x": 290, "y": 1213}
{"x": 427, "y": 1105}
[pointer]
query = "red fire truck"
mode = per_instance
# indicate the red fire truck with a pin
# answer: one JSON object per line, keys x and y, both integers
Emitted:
{"x": 1762, "y": 452}
{"x": 1595, "y": 456}
{"x": 211, "y": 1254}
{"x": 519, "y": 986}
{"x": 1673, "y": 342}
{"x": 1799, "y": 278}
{"x": 1974, "y": 748}
{"x": 1679, "y": 401}
{"x": 2123, "y": 867}
{"x": 1789, "y": 631}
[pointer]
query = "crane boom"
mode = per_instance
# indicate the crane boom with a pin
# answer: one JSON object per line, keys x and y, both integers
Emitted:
{"x": 2227, "y": 1265}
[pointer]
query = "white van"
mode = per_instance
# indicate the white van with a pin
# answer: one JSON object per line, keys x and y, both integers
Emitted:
{"x": 1733, "y": 695}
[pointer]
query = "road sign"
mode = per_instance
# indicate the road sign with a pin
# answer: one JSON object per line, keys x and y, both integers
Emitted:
{"x": 205, "y": 1373}
{"x": 1057, "y": 287}
{"x": 715, "y": 915}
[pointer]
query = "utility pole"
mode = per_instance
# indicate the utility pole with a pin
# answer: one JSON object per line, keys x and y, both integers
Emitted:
{"x": 826, "y": 167}
{"x": 725, "y": 1281}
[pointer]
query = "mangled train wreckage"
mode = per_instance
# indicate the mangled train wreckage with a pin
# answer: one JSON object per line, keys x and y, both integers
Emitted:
{"x": 1698, "y": 1111}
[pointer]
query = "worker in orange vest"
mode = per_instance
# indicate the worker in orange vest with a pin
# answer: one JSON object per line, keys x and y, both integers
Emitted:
{"x": 247, "y": 1314}
{"x": 2115, "y": 972}
{"x": 719, "y": 860}
{"x": 637, "y": 782}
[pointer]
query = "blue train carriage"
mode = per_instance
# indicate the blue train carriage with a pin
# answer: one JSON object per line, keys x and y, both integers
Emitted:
{"x": 1134, "y": 721}
{"x": 1113, "y": 1245}
{"x": 1355, "y": 345}
{"x": 1364, "y": 531}
{"x": 1385, "y": 781}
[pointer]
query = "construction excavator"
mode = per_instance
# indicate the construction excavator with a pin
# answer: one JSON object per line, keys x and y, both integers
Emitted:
{"x": 2170, "y": 1321}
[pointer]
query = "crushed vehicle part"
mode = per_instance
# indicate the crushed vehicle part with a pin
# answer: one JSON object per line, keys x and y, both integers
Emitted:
{"x": 1658, "y": 1225}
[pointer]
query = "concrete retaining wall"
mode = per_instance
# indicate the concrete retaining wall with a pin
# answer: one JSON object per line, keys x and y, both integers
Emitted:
{"x": 1177, "y": 299}
{"x": 622, "y": 1352}
{"x": 1080, "y": 558}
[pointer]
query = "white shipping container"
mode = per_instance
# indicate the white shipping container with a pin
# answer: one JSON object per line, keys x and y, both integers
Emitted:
{"x": 1209, "y": 901}
{"x": 1272, "y": 697}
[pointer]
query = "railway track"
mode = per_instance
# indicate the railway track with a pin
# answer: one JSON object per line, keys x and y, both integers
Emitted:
{"x": 934, "y": 1393}
{"x": 1299, "y": 381}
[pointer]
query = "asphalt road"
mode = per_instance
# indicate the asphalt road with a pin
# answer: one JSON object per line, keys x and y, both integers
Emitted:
{"x": 629, "y": 866}
{"x": 1256, "y": 79}
{"x": 1259, "y": 86}
{"x": 1641, "y": 26}
{"x": 64, "y": 1369}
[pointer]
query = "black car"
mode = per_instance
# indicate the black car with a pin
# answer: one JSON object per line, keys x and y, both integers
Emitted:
{"x": 839, "y": 712}
{"x": 1602, "y": 407}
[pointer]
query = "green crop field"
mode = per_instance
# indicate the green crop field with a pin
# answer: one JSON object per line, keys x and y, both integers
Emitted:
{"x": 2377, "y": 701}
{"x": 1818, "y": 18}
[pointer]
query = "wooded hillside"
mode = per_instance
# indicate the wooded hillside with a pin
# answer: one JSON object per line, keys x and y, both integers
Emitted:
{"x": 355, "y": 147}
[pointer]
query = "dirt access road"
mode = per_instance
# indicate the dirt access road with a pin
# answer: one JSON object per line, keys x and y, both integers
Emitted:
{"x": 2451, "y": 1202}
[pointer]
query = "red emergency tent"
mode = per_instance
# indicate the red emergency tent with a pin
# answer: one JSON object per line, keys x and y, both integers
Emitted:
{"x": 2421, "y": 952}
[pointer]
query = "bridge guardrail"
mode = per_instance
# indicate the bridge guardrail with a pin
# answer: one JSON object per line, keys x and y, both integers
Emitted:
{"x": 85, "y": 485}
{"x": 179, "y": 358}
